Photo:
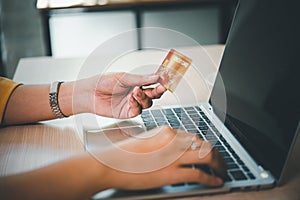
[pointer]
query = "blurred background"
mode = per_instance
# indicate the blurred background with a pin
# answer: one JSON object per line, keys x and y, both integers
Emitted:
{"x": 74, "y": 28}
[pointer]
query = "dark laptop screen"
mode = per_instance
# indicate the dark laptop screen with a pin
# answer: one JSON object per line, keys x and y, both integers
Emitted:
{"x": 261, "y": 75}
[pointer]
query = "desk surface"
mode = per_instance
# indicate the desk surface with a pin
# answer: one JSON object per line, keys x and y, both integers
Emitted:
{"x": 28, "y": 147}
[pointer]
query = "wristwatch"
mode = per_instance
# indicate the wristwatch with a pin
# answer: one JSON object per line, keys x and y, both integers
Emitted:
{"x": 53, "y": 99}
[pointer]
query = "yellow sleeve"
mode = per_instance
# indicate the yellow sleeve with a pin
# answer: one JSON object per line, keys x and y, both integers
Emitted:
{"x": 7, "y": 86}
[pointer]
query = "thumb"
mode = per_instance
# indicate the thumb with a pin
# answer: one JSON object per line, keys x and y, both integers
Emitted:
{"x": 140, "y": 80}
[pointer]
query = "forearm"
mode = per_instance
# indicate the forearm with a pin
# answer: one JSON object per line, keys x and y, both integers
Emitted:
{"x": 76, "y": 178}
{"x": 30, "y": 103}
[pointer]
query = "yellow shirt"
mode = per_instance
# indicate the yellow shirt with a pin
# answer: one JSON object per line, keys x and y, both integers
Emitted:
{"x": 6, "y": 88}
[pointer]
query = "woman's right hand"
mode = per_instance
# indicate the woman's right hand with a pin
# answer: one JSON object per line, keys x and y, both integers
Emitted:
{"x": 160, "y": 157}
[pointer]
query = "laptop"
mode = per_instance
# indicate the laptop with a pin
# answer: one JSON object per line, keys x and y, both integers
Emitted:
{"x": 259, "y": 72}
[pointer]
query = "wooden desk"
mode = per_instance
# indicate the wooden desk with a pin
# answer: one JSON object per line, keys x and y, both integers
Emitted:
{"x": 28, "y": 147}
{"x": 49, "y": 8}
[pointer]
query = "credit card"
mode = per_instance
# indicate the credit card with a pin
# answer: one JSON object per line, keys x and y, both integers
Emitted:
{"x": 172, "y": 69}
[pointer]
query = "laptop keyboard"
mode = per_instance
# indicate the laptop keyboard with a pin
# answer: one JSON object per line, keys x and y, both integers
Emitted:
{"x": 194, "y": 120}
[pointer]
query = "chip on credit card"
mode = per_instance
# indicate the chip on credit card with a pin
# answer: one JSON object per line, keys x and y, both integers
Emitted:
{"x": 172, "y": 69}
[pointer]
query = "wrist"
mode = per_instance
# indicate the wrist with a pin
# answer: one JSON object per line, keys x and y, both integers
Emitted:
{"x": 75, "y": 97}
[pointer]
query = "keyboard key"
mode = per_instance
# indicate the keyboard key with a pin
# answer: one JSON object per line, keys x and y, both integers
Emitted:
{"x": 204, "y": 168}
{"x": 203, "y": 128}
{"x": 173, "y": 121}
{"x": 207, "y": 120}
{"x": 191, "y": 112}
{"x": 183, "y": 117}
{"x": 162, "y": 123}
{"x": 231, "y": 166}
{"x": 240, "y": 161}
{"x": 245, "y": 168}
{"x": 222, "y": 139}
{"x": 159, "y": 118}
{"x": 211, "y": 138}
{"x": 189, "y": 126}
{"x": 171, "y": 117}
{"x": 197, "y": 119}
{"x": 228, "y": 178}
{"x": 148, "y": 119}
{"x": 189, "y": 108}
{"x": 150, "y": 127}
{"x": 250, "y": 175}
{"x": 168, "y": 112}
{"x": 175, "y": 125}
{"x": 145, "y": 112}
{"x": 201, "y": 113}
{"x": 187, "y": 122}
{"x": 198, "y": 108}
{"x": 229, "y": 160}
{"x": 230, "y": 149}
{"x": 156, "y": 113}
{"x": 204, "y": 132}
{"x": 150, "y": 123}
{"x": 178, "y": 110}
{"x": 213, "y": 128}
{"x": 193, "y": 130}
{"x": 194, "y": 114}
{"x": 238, "y": 175}
{"x": 223, "y": 153}
{"x": 221, "y": 150}
{"x": 201, "y": 123}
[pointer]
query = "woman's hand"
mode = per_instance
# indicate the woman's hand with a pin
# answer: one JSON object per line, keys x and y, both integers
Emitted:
{"x": 117, "y": 95}
{"x": 160, "y": 157}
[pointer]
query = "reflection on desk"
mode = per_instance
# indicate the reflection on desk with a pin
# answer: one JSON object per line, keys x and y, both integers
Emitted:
{"x": 32, "y": 146}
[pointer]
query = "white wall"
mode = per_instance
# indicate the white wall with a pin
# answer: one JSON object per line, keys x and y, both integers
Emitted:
{"x": 201, "y": 24}
{"x": 79, "y": 34}
{"x": 76, "y": 35}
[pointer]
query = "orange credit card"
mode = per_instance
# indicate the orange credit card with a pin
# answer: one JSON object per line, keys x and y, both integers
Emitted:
{"x": 172, "y": 69}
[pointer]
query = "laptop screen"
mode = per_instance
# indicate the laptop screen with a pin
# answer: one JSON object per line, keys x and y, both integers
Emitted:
{"x": 260, "y": 71}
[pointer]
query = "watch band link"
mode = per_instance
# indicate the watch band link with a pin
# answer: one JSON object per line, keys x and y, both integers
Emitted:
{"x": 53, "y": 99}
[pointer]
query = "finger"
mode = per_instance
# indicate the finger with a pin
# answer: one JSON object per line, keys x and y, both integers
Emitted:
{"x": 197, "y": 176}
{"x": 219, "y": 165}
{"x": 212, "y": 159}
{"x": 155, "y": 93}
{"x": 135, "y": 107}
{"x": 138, "y": 80}
{"x": 192, "y": 157}
{"x": 142, "y": 98}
